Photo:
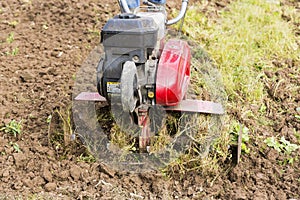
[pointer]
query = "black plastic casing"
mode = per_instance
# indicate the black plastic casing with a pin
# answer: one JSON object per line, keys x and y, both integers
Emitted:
{"x": 125, "y": 37}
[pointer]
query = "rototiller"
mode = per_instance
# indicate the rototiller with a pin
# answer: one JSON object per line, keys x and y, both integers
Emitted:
{"x": 142, "y": 70}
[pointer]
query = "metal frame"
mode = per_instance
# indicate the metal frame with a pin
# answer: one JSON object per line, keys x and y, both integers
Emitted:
{"x": 125, "y": 9}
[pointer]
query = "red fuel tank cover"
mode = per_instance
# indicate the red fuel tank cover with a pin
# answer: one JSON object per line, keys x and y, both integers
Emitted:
{"x": 173, "y": 73}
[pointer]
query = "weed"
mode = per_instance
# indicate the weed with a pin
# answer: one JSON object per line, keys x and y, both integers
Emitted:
{"x": 88, "y": 158}
{"x": 220, "y": 146}
{"x": 13, "y": 127}
{"x": 16, "y": 147}
{"x": 49, "y": 119}
{"x": 272, "y": 142}
{"x": 60, "y": 128}
{"x": 45, "y": 27}
{"x": 94, "y": 32}
{"x": 10, "y": 38}
{"x": 163, "y": 137}
{"x": 15, "y": 51}
{"x": 67, "y": 124}
{"x": 282, "y": 145}
{"x": 33, "y": 197}
{"x": 13, "y": 23}
{"x": 74, "y": 77}
{"x": 245, "y": 136}
{"x": 263, "y": 109}
{"x": 297, "y": 135}
{"x": 287, "y": 146}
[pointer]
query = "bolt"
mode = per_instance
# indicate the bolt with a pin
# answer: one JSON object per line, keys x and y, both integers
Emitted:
{"x": 135, "y": 59}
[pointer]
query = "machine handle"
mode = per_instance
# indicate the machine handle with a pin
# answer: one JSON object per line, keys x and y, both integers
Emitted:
{"x": 125, "y": 8}
{"x": 181, "y": 14}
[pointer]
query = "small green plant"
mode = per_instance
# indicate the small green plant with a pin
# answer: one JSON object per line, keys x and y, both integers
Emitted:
{"x": 297, "y": 116}
{"x": 60, "y": 128}
{"x": 297, "y": 135}
{"x": 49, "y": 119}
{"x": 45, "y": 26}
{"x": 287, "y": 146}
{"x": 13, "y": 23}
{"x": 272, "y": 142}
{"x": 245, "y": 137}
{"x": 13, "y": 127}
{"x": 10, "y": 38}
{"x": 16, "y": 147}
{"x": 74, "y": 77}
{"x": 282, "y": 145}
{"x": 88, "y": 158}
{"x": 15, "y": 51}
{"x": 94, "y": 32}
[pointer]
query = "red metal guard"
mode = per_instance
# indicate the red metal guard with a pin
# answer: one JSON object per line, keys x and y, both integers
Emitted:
{"x": 173, "y": 73}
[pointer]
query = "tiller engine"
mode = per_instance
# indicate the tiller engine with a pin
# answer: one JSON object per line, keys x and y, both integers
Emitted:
{"x": 141, "y": 69}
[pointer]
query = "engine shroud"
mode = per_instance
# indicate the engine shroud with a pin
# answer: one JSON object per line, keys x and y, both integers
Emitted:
{"x": 125, "y": 37}
{"x": 163, "y": 75}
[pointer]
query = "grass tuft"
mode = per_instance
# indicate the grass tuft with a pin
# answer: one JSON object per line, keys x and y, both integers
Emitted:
{"x": 13, "y": 127}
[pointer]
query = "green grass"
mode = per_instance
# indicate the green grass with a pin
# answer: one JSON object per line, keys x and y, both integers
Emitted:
{"x": 244, "y": 42}
{"x": 13, "y": 127}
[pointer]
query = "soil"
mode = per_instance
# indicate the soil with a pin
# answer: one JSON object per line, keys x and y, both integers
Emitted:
{"x": 51, "y": 41}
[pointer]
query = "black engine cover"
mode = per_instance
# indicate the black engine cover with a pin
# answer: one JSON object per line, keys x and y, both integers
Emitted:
{"x": 125, "y": 37}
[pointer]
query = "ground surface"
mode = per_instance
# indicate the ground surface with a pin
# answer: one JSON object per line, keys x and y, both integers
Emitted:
{"x": 51, "y": 40}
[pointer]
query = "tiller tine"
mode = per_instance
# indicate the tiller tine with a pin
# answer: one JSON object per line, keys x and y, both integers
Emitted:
{"x": 198, "y": 106}
{"x": 187, "y": 105}
{"x": 90, "y": 96}
{"x": 146, "y": 134}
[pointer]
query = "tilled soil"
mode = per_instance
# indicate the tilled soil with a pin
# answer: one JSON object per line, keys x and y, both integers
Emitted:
{"x": 51, "y": 39}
